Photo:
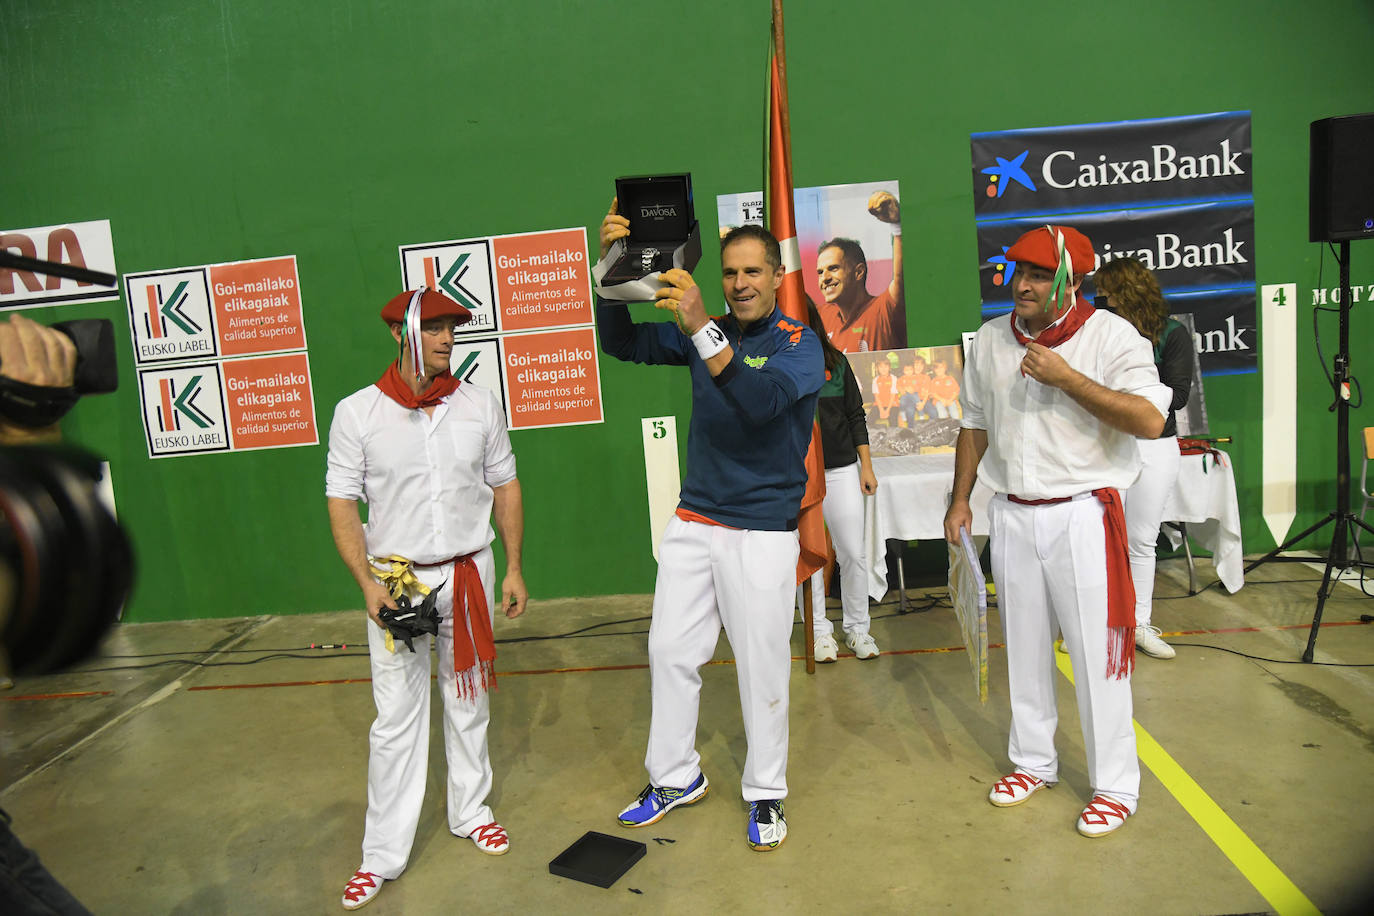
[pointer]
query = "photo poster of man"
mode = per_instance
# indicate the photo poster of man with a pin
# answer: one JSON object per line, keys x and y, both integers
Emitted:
{"x": 855, "y": 280}
{"x": 911, "y": 398}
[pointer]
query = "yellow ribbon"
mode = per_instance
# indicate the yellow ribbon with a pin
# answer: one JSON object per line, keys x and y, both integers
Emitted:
{"x": 396, "y": 574}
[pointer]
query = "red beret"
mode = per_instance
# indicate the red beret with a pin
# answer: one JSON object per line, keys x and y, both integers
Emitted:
{"x": 433, "y": 304}
{"x": 1041, "y": 248}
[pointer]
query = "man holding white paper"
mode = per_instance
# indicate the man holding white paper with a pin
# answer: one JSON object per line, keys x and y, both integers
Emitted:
{"x": 1053, "y": 397}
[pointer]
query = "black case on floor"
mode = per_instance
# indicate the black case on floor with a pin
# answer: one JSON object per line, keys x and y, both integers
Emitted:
{"x": 597, "y": 859}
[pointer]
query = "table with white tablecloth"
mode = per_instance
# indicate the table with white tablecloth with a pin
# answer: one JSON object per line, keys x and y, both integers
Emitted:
{"x": 913, "y": 494}
{"x": 914, "y": 491}
{"x": 1205, "y": 500}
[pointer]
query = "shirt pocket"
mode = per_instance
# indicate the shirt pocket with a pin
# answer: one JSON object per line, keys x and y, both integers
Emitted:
{"x": 463, "y": 441}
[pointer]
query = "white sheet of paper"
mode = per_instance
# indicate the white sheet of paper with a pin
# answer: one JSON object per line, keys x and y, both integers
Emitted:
{"x": 968, "y": 593}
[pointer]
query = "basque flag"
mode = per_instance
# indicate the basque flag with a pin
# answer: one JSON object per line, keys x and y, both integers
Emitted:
{"x": 780, "y": 220}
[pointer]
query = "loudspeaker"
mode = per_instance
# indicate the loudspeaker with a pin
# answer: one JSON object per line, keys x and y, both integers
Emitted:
{"x": 1341, "y": 186}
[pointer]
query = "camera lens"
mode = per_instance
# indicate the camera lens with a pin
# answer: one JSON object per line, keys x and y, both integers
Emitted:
{"x": 68, "y": 563}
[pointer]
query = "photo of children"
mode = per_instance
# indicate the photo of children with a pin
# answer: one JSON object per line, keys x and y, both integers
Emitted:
{"x": 911, "y": 398}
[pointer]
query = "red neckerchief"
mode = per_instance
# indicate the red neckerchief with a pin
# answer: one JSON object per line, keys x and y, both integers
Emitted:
{"x": 395, "y": 387}
{"x": 1064, "y": 328}
{"x": 1120, "y": 588}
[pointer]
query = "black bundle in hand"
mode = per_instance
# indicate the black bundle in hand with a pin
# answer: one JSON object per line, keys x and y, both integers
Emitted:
{"x": 406, "y": 622}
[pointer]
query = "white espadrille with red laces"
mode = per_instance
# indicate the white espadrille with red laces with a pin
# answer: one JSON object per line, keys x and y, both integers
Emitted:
{"x": 360, "y": 889}
{"x": 1015, "y": 788}
{"x": 491, "y": 839}
{"x": 1102, "y": 816}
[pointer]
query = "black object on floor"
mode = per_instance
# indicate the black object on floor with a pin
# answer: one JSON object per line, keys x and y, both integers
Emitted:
{"x": 597, "y": 859}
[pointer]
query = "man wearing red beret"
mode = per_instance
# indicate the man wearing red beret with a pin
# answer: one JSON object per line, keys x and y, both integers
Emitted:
{"x": 1054, "y": 395}
{"x": 432, "y": 459}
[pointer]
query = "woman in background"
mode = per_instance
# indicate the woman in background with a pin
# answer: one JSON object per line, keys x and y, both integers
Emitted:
{"x": 848, "y": 476}
{"x": 1133, "y": 293}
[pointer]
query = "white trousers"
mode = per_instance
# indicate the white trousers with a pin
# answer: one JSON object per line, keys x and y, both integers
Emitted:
{"x": 709, "y": 577}
{"x": 1160, "y": 460}
{"x": 1050, "y": 565}
{"x": 843, "y": 509}
{"x": 399, "y": 758}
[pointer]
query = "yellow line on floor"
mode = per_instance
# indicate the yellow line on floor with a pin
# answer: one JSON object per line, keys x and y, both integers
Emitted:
{"x": 1257, "y": 868}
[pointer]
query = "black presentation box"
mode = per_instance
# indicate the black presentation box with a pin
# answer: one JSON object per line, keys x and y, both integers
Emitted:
{"x": 663, "y": 228}
{"x": 597, "y": 859}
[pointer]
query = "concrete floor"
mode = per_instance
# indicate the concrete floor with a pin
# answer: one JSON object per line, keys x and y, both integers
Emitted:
{"x": 241, "y": 789}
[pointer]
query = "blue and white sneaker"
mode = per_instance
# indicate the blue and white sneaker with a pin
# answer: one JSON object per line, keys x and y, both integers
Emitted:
{"x": 767, "y": 829}
{"x": 656, "y": 801}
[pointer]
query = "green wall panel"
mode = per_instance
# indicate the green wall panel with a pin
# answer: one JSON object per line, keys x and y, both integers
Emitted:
{"x": 217, "y": 132}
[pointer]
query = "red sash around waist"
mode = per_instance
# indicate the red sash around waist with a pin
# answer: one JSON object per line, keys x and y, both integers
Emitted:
{"x": 1120, "y": 587}
{"x": 474, "y": 646}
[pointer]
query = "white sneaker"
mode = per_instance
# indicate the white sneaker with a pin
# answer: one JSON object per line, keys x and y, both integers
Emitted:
{"x": 862, "y": 645}
{"x": 766, "y": 829}
{"x": 827, "y": 650}
{"x": 1147, "y": 640}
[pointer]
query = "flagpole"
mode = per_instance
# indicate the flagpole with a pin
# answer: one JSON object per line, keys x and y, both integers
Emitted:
{"x": 780, "y": 51}
{"x": 779, "y": 157}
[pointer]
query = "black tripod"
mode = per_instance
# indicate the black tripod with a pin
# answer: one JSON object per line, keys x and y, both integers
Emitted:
{"x": 1337, "y": 556}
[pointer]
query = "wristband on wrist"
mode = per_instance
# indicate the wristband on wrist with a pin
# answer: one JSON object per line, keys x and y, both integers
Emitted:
{"x": 897, "y": 230}
{"x": 709, "y": 340}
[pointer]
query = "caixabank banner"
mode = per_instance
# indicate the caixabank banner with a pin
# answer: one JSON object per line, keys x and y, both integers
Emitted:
{"x": 1175, "y": 193}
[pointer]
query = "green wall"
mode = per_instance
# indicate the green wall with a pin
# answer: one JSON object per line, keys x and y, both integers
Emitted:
{"x": 211, "y": 132}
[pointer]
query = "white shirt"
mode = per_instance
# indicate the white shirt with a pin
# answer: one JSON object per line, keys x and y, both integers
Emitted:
{"x": 1041, "y": 443}
{"x": 427, "y": 480}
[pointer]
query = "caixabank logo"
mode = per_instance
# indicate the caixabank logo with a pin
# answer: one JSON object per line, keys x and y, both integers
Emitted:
{"x": 183, "y": 410}
{"x": 1007, "y": 171}
{"x": 1161, "y": 162}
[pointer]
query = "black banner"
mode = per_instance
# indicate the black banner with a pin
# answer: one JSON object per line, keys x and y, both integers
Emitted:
{"x": 1203, "y": 247}
{"x": 1174, "y": 193}
{"x": 1162, "y": 162}
{"x": 1224, "y": 331}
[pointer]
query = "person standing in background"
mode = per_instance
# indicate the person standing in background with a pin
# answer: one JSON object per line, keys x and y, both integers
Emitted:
{"x": 848, "y": 478}
{"x": 1133, "y": 293}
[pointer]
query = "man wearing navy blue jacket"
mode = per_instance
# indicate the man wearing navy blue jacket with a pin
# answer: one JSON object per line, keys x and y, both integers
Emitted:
{"x": 729, "y": 555}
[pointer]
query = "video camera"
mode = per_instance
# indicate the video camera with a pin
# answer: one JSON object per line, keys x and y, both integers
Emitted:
{"x": 97, "y": 372}
{"x": 66, "y": 566}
